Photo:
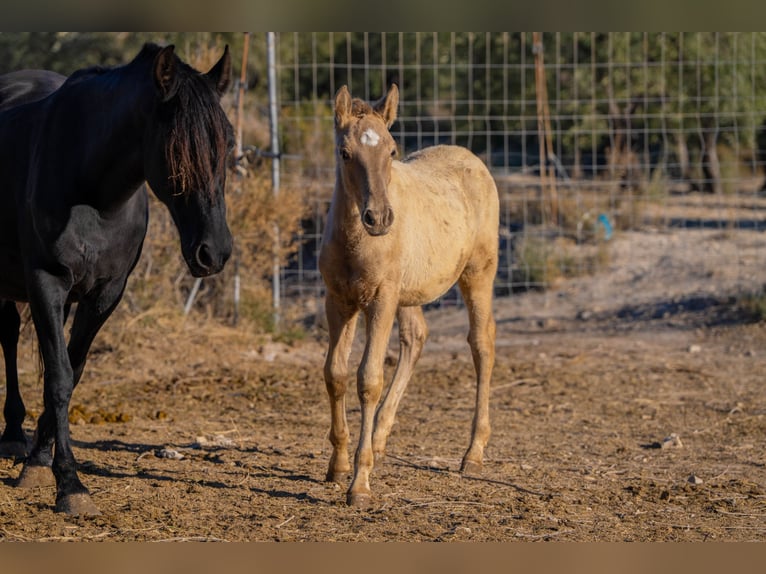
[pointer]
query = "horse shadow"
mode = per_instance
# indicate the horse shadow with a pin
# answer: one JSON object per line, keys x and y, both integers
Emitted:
{"x": 712, "y": 223}
{"x": 274, "y": 471}
{"x": 696, "y": 310}
{"x": 104, "y": 470}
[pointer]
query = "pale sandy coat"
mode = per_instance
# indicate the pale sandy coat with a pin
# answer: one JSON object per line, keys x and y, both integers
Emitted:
{"x": 399, "y": 234}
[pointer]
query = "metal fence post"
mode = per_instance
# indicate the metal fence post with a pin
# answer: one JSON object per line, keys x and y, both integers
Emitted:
{"x": 274, "y": 128}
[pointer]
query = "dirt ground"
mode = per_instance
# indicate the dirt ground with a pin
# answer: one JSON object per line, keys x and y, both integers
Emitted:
{"x": 194, "y": 433}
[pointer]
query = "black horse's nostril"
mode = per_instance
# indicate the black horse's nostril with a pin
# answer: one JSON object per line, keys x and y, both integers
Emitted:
{"x": 204, "y": 257}
{"x": 368, "y": 218}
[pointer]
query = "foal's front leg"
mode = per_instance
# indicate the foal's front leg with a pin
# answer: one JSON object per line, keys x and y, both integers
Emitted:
{"x": 380, "y": 319}
{"x": 341, "y": 321}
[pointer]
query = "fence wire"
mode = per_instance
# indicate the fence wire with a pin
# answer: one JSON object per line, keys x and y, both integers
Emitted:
{"x": 585, "y": 133}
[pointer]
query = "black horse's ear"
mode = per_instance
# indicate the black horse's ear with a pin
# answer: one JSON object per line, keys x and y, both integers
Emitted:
{"x": 220, "y": 74}
{"x": 165, "y": 77}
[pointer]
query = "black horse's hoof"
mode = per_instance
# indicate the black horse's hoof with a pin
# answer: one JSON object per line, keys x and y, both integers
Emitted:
{"x": 78, "y": 504}
{"x": 32, "y": 476}
{"x": 13, "y": 449}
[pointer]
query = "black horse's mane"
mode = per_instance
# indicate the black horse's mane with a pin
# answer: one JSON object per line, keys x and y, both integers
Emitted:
{"x": 198, "y": 132}
{"x": 85, "y": 73}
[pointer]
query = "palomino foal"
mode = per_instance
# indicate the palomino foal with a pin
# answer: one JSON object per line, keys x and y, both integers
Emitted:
{"x": 399, "y": 234}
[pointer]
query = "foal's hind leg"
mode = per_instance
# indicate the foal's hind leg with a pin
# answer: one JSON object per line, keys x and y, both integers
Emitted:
{"x": 413, "y": 333}
{"x": 476, "y": 287}
{"x": 13, "y": 443}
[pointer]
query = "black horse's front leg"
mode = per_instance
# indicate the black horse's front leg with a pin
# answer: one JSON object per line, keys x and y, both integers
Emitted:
{"x": 48, "y": 294}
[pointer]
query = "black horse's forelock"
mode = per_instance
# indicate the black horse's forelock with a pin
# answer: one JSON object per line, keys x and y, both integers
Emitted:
{"x": 198, "y": 138}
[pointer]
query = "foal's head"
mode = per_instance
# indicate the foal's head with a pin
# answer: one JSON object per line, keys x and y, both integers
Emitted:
{"x": 365, "y": 151}
{"x": 188, "y": 140}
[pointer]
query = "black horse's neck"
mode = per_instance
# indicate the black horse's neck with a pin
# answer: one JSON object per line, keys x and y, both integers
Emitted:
{"x": 112, "y": 114}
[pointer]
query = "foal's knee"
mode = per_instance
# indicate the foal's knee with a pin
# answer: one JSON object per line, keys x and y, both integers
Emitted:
{"x": 369, "y": 384}
{"x": 336, "y": 381}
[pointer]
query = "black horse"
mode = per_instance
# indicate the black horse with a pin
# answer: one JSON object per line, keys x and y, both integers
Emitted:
{"x": 74, "y": 212}
{"x": 17, "y": 88}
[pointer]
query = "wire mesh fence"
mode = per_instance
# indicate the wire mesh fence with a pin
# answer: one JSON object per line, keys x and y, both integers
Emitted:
{"x": 586, "y": 134}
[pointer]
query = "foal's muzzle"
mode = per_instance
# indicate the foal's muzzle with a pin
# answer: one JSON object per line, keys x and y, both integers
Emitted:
{"x": 377, "y": 222}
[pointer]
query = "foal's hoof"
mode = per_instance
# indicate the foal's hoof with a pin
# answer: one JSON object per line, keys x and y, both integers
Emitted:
{"x": 359, "y": 499}
{"x": 78, "y": 504}
{"x": 13, "y": 449}
{"x": 338, "y": 477}
{"x": 32, "y": 476}
{"x": 470, "y": 468}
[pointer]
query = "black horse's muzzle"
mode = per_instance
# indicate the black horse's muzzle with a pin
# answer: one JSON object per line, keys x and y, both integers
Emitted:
{"x": 207, "y": 259}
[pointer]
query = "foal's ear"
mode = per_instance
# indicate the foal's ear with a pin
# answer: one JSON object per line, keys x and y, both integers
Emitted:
{"x": 165, "y": 77}
{"x": 342, "y": 106}
{"x": 386, "y": 106}
{"x": 220, "y": 74}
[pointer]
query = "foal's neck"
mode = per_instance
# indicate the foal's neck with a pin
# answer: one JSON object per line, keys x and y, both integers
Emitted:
{"x": 345, "y": 214}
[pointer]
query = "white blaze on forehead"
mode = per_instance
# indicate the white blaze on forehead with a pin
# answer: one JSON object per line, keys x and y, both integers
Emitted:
{"x": 370, "y": 137}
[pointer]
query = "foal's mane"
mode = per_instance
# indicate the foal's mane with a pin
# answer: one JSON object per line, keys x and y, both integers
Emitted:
{"x": 360, "y": 108}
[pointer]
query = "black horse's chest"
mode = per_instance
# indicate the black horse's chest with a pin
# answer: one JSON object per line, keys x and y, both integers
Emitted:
{"x": 91, "y": 247}
{"x": 87, "y": 250}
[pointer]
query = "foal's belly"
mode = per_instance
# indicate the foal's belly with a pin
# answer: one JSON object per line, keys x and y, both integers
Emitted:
{"x": 427, "y": 276}
{"x": 416, "y": 298}
{"x": 422, "y": 285}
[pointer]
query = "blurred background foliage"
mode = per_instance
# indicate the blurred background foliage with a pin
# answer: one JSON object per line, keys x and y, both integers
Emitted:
{"x": 692, "y": 96}
{"x": 160, "y": 286}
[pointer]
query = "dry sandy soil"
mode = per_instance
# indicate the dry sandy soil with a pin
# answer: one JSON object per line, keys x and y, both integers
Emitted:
{"x": 206, "y": 433}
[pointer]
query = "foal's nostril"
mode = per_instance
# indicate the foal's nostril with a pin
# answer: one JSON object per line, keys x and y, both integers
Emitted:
{"x": 388, "y": 218}
{"x": 204, "y": 257}
{"x": 368, "y": 218}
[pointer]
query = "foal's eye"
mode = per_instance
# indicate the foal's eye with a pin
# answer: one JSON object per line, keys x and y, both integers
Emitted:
{"x": 345, "y": 154}
{"x": 393, "y": 152}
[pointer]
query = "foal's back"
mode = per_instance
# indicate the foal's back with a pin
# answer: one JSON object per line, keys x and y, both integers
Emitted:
{"x": 448, "y": 207}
